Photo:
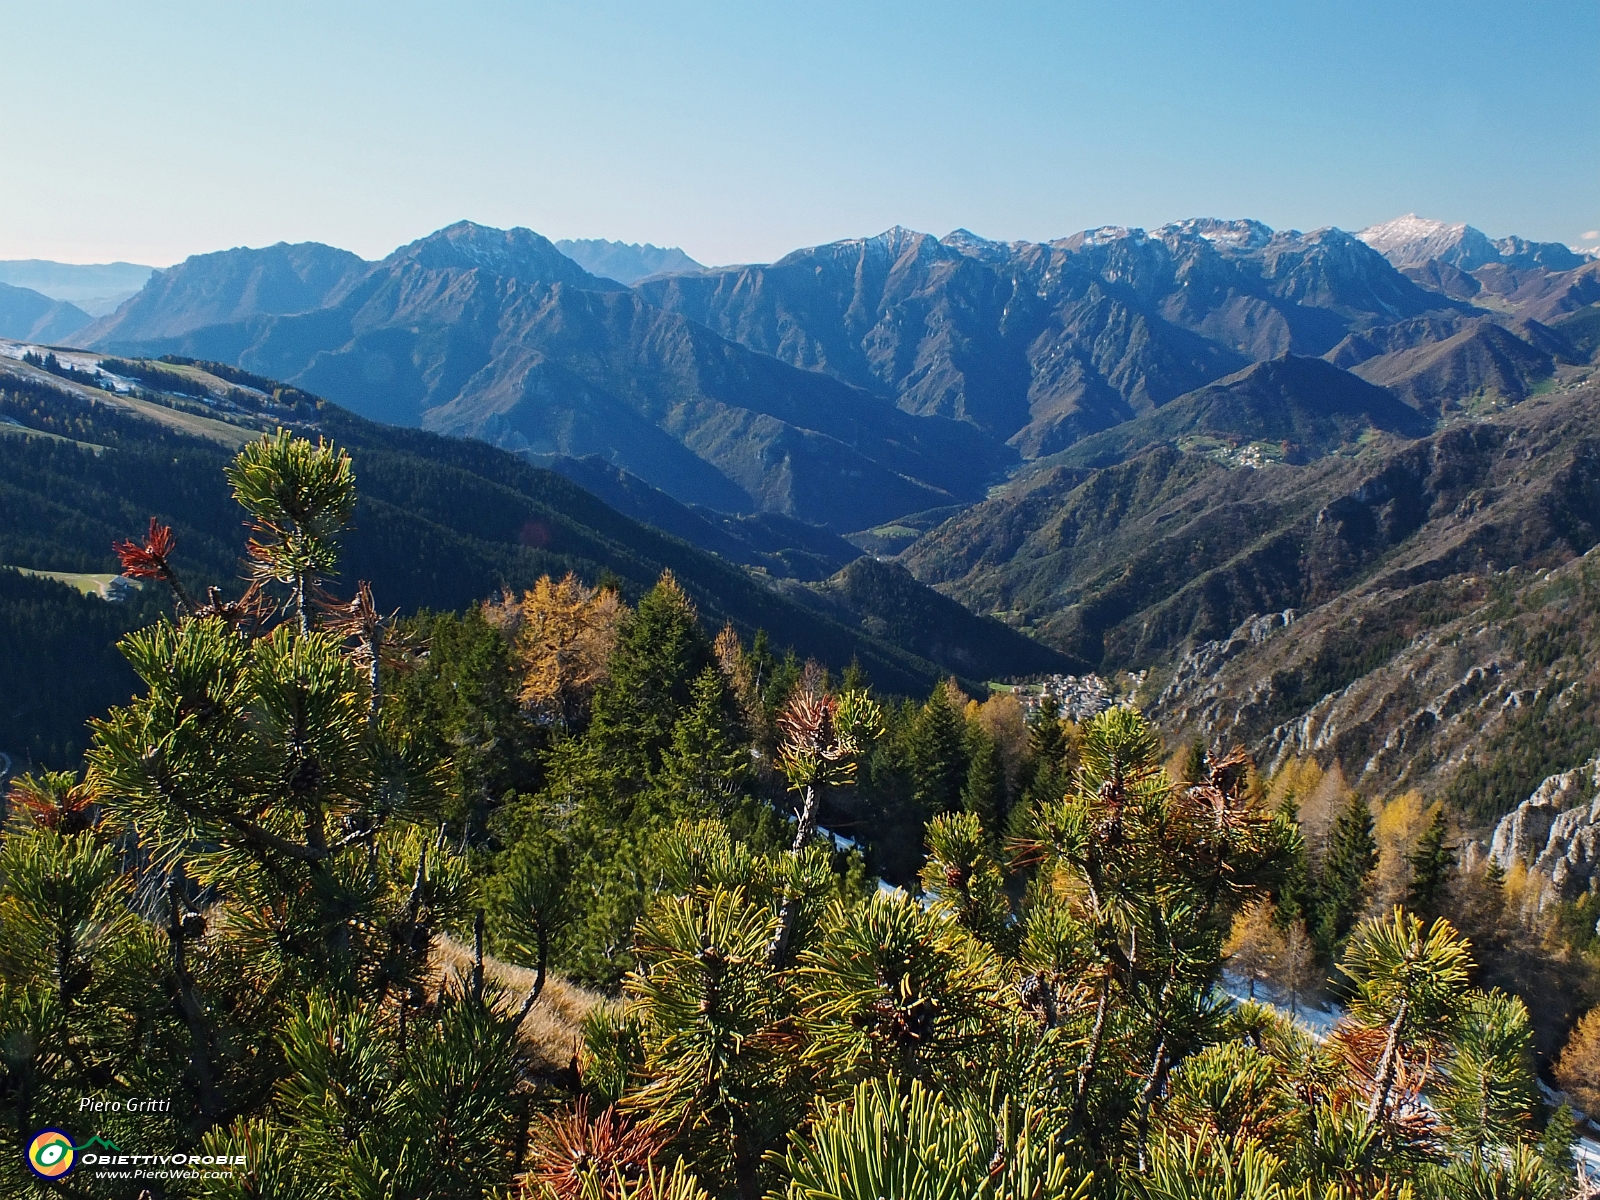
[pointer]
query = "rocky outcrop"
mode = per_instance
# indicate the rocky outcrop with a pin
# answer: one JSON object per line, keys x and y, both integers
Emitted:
{"x": 1555, "y": 834}
{"x": 1200, "y": 666}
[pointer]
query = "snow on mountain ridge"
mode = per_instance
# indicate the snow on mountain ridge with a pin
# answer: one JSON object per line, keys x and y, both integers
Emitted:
{"x": 1411, "y": 241}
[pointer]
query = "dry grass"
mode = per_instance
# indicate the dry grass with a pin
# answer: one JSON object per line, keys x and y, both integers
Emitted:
{"x": 183, "y": 422}
{"x": 553, "y": 1030}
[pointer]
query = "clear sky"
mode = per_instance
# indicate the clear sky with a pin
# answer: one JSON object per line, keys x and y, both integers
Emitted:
{"x": 150, "y": 131}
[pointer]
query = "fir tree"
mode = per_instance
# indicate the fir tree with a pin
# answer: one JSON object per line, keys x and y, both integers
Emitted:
{"x": 938, "y": 754}
{"x": 1432, "y": 864}
{"x": 983, "y": 791}
{"x": 1342, "y": 882}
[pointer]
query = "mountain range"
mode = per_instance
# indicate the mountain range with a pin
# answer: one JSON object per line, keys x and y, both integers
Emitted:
{"x": 93, "y": 288}
{"x": 626, "y": 262}
{"x": 850, "y": 384}
{"x": 1127, "y": 445}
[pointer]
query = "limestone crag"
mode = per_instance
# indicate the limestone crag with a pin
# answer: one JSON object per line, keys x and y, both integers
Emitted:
{"x": 1555, "y": 833}
{"x": 1200, "y": 665}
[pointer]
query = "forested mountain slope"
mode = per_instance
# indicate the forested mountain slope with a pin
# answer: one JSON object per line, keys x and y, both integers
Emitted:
{"x": 496, "y": 335}
{"x": 443, "y": 523}
{"x": 1185, "y": 562}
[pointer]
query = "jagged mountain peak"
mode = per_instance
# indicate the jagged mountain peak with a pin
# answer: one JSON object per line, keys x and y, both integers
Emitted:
{"x": 892, "y": 245}
{"x": 626, "y": 262}
{"x": 964, "y": 241}
{"x": 898, "y": 237}
{"x": 1411, "y": 241}
{"x": 1104, "y": 235}
{"x": 1409, "y": 228}
{"x": 1232, "y": 235}
{"x": 517, "y": 253}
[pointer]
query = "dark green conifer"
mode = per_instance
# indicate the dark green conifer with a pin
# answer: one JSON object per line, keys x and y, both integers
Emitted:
{"x": 938, "y": 754}
{"x": 983, "y": 792}
{"x": 1295, "y": 896}
{"x": 1432, "y": 864}
{"x": 1047, "y": 773}
{"x": 1352, "y": 855}
{"x": 661, "y": 650}
{"x": 705, "y": 770}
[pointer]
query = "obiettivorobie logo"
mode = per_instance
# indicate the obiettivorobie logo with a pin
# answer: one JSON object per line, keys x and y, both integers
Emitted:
{"x": 52, "y": 1155}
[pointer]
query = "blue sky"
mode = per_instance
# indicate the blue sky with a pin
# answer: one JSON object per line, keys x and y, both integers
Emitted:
{"x": 151, "y": 131}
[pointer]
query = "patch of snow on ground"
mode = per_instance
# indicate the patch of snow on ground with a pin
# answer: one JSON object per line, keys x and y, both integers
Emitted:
{"x": 1319, "y": 1023}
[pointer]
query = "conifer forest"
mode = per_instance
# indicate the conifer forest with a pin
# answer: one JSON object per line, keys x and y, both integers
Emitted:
{"x": 567, "y": 898}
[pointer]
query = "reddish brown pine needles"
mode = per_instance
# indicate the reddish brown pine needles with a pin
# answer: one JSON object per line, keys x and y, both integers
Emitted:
{"x": 152, "y": 560}
{"x": 569, "y": 1149}
{"x": 54, "y": 801}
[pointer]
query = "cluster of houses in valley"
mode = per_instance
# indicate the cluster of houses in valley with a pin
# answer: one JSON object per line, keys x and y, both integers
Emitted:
{"x": 1076, "y": 697}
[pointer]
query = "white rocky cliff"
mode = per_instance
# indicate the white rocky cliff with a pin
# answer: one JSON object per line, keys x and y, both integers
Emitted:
{"x": 1555, "y": 833}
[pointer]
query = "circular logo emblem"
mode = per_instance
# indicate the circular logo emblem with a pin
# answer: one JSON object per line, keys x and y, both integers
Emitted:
{"x": 50, "y": 1154}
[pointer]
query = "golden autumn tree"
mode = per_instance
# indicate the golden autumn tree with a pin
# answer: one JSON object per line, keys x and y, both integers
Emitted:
{"x": 1255, "y": 947}
{"x": 1578, "y": 1068}
{"x": 562, "y": 634}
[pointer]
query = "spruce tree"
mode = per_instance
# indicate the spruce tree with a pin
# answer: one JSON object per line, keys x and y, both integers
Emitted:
{"x": 661, "y": 650}
{"x": 1047, "y": 770}
{"x": 705, "y": 770}
{"x": 938, "y": 754}
{"x": 1295, "y": 895}
{"x": 1432, "y": 864}
{"x": 983, "y": 791}
{"x": 1342, "y": 891}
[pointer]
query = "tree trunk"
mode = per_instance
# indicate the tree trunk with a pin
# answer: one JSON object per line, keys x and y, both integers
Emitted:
{"x": 1158, "y": 1070}
{"x": 301, "y": 603}
{"x": 1080, "y": 1105}
{"x": 477, "y": 958}
{"x": 746, "y": 1166}
{"x": 778, "y": 949}
{"x": 538, "y": 980}
{"x": 374, "y": 683}
{"x": 1387, "y": 1064}
{"x": 189, "y": 1005}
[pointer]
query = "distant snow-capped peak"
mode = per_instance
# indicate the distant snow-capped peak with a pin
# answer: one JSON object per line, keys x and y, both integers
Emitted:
{"x": 1401, "y": 231}
{"x": 1412, "y": 240}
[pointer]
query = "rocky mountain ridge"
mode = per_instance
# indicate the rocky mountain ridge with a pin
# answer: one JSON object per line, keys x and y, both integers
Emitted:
{"x": 1555, "y": 835}
{"x": 1412, "y": 241}
{"x": 1538, "y": 280}
{"x": 496, "y": 335}
{"x": 626, "y": 262}
{"x": 1043, "y": 344}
